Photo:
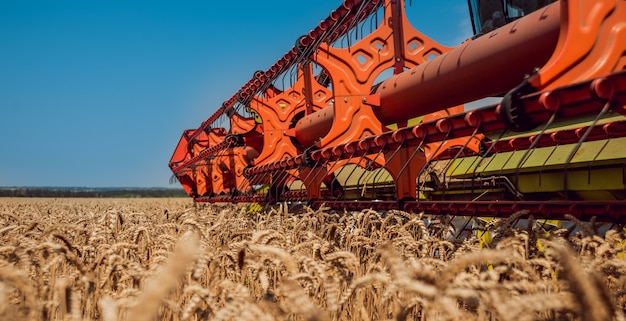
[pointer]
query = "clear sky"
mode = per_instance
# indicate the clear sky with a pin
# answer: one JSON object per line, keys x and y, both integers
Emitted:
{"x": 97, "y": 93}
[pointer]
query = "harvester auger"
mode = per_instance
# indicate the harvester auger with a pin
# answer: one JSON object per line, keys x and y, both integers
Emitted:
{"x": 320, "y": 127}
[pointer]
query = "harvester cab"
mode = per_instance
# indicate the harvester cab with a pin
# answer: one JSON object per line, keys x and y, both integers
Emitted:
{"x": 488, "y": 15}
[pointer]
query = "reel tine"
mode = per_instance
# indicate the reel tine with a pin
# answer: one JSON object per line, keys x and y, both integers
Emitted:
{"x": 285, "y": 179}
{"x": 369, "y": 165}
{"x": 532, "y": 146}
{"x": 325, "y": 172}
{"x": 387, "y": 160}
{"x": 595, "y": 157}
{"x": 368, "y": 169}
{"x": 277, "y": 184}
{"x": 296, "y": 179}
{"x": 445, "y": 170}
{"x": 417, "y": 149}
{"x": 395, "y": 152}
{"x": 256, "y": 180}
{"x": 583, "y": 138}
{"x": 299, "y": 169}
{"x": 480, "y": 159}
{"x": 429, "y": 161}
{"x": 308, "y": 179}
{"x": 383, "y": 174}
{"x": 334, "y": 181}
{"x": 242, "y": 186}
{"x": 361, "y": 158}
{"x": 365, "y": 172}
{"x": 267, "y": 182}
{"x": 252, "y": 181}
{"x": 259, "y": 179}
{"x": 336, "y": 176}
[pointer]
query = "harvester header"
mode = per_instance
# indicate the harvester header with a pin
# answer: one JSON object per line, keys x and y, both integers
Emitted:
{"x": 365, "y": 111}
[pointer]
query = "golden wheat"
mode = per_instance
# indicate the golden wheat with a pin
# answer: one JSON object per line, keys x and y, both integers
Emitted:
{"x": 170, "y": 259}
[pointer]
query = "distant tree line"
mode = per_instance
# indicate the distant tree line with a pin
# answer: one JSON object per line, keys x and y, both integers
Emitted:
{"x": 120, "y": 193}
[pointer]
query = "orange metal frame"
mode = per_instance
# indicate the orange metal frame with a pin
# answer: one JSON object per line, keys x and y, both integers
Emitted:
{"x": 562, "y": 44}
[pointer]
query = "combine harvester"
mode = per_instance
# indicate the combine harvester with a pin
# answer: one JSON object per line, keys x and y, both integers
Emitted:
{"x": 320, "y": 127}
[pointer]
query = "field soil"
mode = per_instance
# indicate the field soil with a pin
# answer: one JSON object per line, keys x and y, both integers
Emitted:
{"x": 170, "y": 259}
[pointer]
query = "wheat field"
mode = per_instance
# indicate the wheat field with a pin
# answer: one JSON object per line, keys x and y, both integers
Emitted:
{"x": 168, "y": 259}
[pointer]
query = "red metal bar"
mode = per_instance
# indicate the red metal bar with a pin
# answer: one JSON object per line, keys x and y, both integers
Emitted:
{"x": 487, "y": 66}
{"x": 308, "y": 88}
{"x": 314, "y": 126}
{"x": 561, "y": 137}
{"x": 398, "y": 37}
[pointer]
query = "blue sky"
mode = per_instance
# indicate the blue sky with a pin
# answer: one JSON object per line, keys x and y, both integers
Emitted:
{"x": 97, "y": 93}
